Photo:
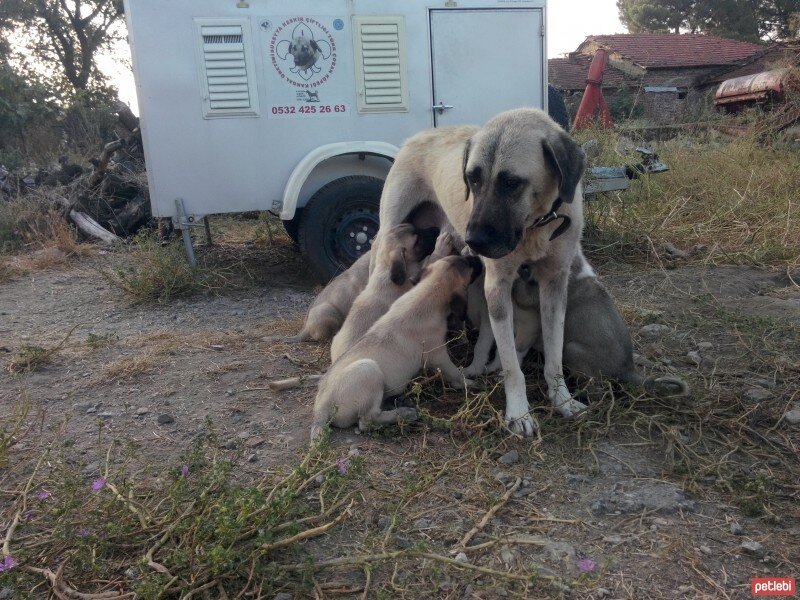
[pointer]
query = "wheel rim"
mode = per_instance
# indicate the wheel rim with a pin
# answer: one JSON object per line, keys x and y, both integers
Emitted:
{"x": 351, "y": 235}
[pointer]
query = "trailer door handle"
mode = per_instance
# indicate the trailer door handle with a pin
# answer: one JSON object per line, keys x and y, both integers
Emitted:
{"x": 441, "y": 107}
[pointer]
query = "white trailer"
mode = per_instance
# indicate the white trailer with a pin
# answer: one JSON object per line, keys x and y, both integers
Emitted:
{"x": 300, "y": 106}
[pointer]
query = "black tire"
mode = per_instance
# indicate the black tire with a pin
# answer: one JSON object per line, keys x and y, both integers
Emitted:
{"x": 339, "y": 223}
{"x": 556, "y": 107}
{"x": 292, "y": 226}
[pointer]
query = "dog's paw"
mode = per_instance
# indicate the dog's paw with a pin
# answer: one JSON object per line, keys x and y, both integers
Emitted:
{"x": 565, "y": 404}
{"x": 407, "y": 414}
{"x": 525, "y": 425}
{"x": 474, "y": 370}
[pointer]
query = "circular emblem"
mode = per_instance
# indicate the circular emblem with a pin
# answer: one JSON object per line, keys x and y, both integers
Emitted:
{"x": 338, "y": 24}
{"x": 303, "y": 52}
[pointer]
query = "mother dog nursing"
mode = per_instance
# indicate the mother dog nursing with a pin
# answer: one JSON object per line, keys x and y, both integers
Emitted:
{"x": 511, "y": 190}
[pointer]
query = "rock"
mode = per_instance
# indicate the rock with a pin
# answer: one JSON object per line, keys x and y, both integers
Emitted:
{"x": 502, "y": 477}
{"x": 706, "y": 550}
{"x": 384, "y": 521}
{"x": 753, "y": 549}
{"x": 704, "y": 346}
{"x": 508, "y": 556}
{"x": 509, "y": 458}
{"x": 106, "y": 414}
{"x": 559, "y": 551}
{"x": 601, "y": 593}
{"x": 694, "y": 356}
{"x": 635, "y": 496}
{"x": 458, "y": 495}
{"x": 91, "y": 410}
{"x": 501, "y": 591}
{"x": 165, "y": 419}
{"x": 283, "y": 596}
{"x": 673, "y": 252}
{"x": 6, "y": 592}
{"x": 422, "y": 524}
{"x": 254, "y": 442}
{"x": 736, "y": 529}
{"x": 792, "y": 416}
{"x": 613, "y": 539}
{"x": 758, "y": 394}
{"x": 462, "y": 558}
{"x": 685, "y": 589}
{"x": 91, "y": 468}
{"x": 653, "y": 331}
{"x": 131, "y": 573}
{"x": 141, "y": 411}
{"x": 243, "y": 435}
{"x": 252, "y": 458}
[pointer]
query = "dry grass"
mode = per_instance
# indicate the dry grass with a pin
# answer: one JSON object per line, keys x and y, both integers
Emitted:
{"x": 733, "y": 201}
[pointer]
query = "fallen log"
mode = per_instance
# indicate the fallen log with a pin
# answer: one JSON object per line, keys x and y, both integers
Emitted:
{"x": 87, "y": 224}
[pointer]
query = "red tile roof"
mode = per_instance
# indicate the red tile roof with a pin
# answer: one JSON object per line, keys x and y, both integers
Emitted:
{"x": 654, "y": 51}
{"x": 570, "y": 73}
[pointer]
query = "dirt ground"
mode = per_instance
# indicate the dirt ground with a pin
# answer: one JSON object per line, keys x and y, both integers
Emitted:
{"x": 642, "y": 498}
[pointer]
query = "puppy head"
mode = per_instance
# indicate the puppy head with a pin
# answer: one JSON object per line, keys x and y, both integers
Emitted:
{"x": 303, "y": 50}
{"x": 396, "y": 250}
{"x": 514, "y": 168}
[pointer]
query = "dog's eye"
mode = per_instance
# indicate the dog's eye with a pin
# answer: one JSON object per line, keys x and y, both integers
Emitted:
{"x": 508, "y": 183}
{"x": 474, "y": 176}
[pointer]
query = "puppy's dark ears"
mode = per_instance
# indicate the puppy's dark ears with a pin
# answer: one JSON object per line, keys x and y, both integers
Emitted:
{"x": 567, "y": 160}
{"x": 398, "y": 273}
{"x": 467, "y": 147}
{"x": 476, "y": 265}
{"x": 315, "y": 46}
{"x": 458, "y": 307}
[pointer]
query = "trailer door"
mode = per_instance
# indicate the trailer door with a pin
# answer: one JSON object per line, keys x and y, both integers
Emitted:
{"x": 485, "y": 61}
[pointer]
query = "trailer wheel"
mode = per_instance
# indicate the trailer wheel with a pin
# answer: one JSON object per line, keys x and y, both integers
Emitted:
{"x": 556, "y": 107}
{"x": 339, "y": 223}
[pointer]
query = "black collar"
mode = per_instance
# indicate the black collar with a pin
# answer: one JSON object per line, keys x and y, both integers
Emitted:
{"x": 552, "y": 216}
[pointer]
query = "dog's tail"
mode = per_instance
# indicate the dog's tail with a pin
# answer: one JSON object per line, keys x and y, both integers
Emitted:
{"x": 322, "y": 323}
{"x": 666, "y": 387}
{"x": 661, "y": 387}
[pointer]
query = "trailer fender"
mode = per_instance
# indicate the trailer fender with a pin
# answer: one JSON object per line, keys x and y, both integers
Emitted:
{"x": 291, "y": 193}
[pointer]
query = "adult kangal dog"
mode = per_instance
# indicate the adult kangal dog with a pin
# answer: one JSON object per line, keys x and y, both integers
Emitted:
{"x": 511, "y": 190}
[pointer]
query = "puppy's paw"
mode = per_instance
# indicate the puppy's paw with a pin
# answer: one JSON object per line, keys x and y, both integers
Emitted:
{"x": 407, "y": 414}
{"x": 525, "y": 425}
{"x": 565, "y": 404}
{"x": 444, "y": 245}
{"x": 474, "y": 370}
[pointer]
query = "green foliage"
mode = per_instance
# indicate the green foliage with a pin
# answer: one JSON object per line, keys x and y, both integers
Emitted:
{"x": 160, "y": 272}
{"x": 751, "y": 20}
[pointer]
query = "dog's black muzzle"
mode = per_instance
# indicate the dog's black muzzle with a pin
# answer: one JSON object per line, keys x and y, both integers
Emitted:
{"x": 489, "y": 242}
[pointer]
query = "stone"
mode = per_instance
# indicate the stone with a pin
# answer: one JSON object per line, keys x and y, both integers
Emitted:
{"x": 283, "y": 596}
{"x": 502, "y": 477}
{"x": 577, "y": 479}
{"x": 141, "y": 411}
{"x": 422, "y": 524}
{"x": 252, "y": 458}
{"x": 462, "y": 558}
{"x": 753, "y": 549}
{"x": 737, "y": 529}
{"x": 601, "y": 593}
{"x": 165, "y": 419}
{"x": 508, "y": 556}
{"x": 91, "y": 468}
{"x": 509, "y": 458}
{"x": 6, "y": 592}
{"x": 792, "y": 416}
{"x": 685, "y": 589}
{"x": 254, "y": 442}
{"x": 613, "y": 539}
{"x": 106, "y": 414}
{"x": 694, "y": 356}
{"x": 635, "y": 496}
{"x": 384, "y": 521}
{"x": 706, "y": 550}
{"x": 757, "y": 394}
{"x": 653, "y": 331}
{"x": 131, "y": 573}
{"x": 704, "y": 346}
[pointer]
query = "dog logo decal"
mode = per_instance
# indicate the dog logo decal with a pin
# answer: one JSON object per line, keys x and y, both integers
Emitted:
{"x": 306, "y": 51}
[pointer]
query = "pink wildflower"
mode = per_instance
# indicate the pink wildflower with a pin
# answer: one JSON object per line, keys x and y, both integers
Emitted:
{"x": 586, "y": 565}
{"x": 99, "y": 483}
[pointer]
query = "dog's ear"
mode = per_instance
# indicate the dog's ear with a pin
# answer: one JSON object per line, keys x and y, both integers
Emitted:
{"x": 458, "y": 307}
{"x": 467, "y": 147}
{"x": 476, "y": 265}
{"x": 567, "y": 159}
{"x": 398, "y": 273}
{"x": 315, "y": 46}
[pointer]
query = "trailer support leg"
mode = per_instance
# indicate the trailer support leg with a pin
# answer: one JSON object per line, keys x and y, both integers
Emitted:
{"x": 208, "y": 231}
{"x": 185, "y": 224}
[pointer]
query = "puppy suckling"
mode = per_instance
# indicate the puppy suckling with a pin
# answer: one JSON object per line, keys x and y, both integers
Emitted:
{"x": 331, "y": 306}
{"x": 409, "y": 337}
{"x": 597, "y": 342}
{"x": 395, "y": 266}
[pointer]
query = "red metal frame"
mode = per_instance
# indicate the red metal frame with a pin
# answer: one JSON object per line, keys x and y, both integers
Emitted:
{"x": 593, "y": 96}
